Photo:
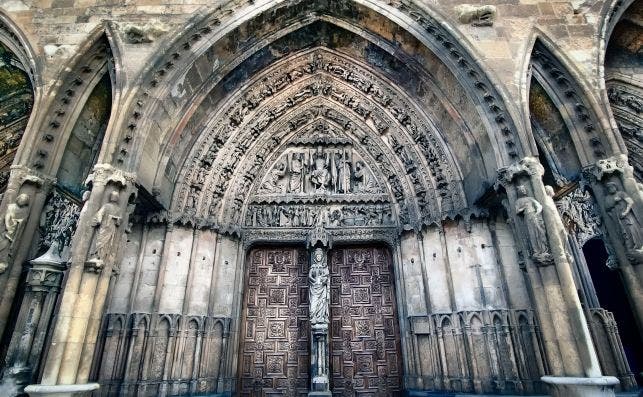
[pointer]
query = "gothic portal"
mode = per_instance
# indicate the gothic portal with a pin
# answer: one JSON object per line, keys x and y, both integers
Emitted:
{"x": 321, "y": 197}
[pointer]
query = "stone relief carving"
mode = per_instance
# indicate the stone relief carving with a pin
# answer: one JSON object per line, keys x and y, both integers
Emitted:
{"x": 309, "y": 215}
{"x": 107, "y": 220}
{"x": 335, "y": 173}
{"x": 530, "y": 210}
{"x": 476, "y": 15}
{"x": 321, "y": 170}
{"x": 579, "y": 216}
{"x": 58, "y": 224}
{"x": 318, "y": 287}
{"x": 147, "y": 33}
{"x": 620, "y": 97}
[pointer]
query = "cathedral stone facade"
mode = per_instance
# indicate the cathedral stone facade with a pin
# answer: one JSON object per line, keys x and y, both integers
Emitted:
{"x": 321, "y": 197}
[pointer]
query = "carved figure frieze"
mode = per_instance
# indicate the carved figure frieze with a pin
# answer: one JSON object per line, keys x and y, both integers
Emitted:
{"x": 619, "y": 97}
{"x": 309, "y": 215}
{"x": 321, "y": 170}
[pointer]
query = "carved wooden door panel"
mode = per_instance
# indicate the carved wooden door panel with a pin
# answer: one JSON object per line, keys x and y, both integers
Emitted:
{"x": 365, "y": 358}
{"x": 275, "y": 331}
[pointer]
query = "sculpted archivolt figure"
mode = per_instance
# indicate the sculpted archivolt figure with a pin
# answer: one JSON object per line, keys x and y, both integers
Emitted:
{"x": 13, "y": 222}
{"x": 107, "y": 219}
{"x": 531, "y": 212}
{"x": 619, "y": 207}
{"x": 319, "y": 289}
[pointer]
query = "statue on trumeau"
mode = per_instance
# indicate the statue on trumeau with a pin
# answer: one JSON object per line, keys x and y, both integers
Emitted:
{"x": 107, "y": 219}
{"x": 14, "y": 219}
{"x": 618, "y": 205}
{"x": 319, "y": 288}
{"x": 530, "y": 210}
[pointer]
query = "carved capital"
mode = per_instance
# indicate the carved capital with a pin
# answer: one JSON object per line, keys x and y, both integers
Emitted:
{"x": 615, "y": 165}
{"x": 107, "y": 173}
{"x": 527, "y": 166}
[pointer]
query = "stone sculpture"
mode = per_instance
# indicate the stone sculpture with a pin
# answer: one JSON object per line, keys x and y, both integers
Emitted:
{"x": 107, "y": 220}
{"x": 618, "y": 205}
{"x": 531, "y": 212}
{"x": 320, "y": 176}
{"x": 318, "y": 288}
{"x": 13, "y": 222}
{"x": 476, "y": 15}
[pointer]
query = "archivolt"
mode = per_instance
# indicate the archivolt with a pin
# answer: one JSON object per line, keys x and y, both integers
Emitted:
{"x": 201, "y": 49}
{"x": 592, "y": 136}
{"x": 319, "y": 86}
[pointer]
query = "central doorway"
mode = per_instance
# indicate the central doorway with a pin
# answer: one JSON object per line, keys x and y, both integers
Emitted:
{"x": 364, "y": 345}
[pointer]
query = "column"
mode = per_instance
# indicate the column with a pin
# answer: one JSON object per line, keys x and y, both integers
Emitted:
{"x": 620, "y": 201}
{"x": 319, "y": 301}
{"x": 570, "y": 353}
{"x": 95, "y": 246}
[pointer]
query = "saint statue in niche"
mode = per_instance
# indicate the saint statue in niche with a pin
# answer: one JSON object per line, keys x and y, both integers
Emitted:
{"x": 320, "y": 176}
{"x": 619, "y": 207}
{"x": 13, "y": 223}
{"x": 318, "y": 289}
{"x": 531, "y": 212}
{"x": 107, "y": 219}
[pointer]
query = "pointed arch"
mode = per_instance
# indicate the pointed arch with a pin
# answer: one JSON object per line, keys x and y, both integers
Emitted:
{"x": 591, "y": 134}
{"x": 13, "y": 37}
{"x": 192, "y": 49}
{"x": 92, "y": 64}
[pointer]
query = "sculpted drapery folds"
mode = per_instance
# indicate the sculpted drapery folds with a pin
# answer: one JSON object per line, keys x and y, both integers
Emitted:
{"x": 13, "y": 222}
{"x": 530, "y": 210}
{"x": 319, "y": 288}
{"x": 107, "y": 220}
{"x": 619, "y": 207}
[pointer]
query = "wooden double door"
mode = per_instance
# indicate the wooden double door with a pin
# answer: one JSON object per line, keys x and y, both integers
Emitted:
{"x": 364, "y": 345}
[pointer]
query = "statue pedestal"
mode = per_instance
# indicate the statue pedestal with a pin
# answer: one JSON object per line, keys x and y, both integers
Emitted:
{"x": 560, "y": 386}
{"x": 77, "y": 390}
{"x": 319, "y": 385}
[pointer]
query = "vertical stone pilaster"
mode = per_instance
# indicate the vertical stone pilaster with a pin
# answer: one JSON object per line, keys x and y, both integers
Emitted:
{"x": 102, "y": 222}
{"x": 568, "y": 345}
{"x": 620, "y": 201}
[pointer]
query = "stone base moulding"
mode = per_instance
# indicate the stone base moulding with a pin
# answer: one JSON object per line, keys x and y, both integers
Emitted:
{"x": 560, "y": 386}
{"x": 77, "y": 390}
